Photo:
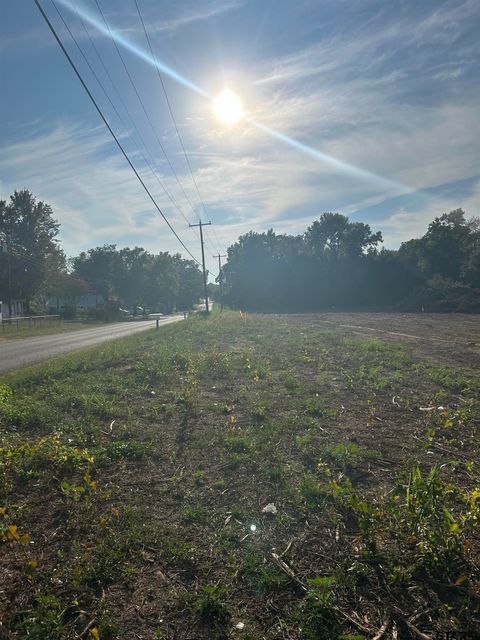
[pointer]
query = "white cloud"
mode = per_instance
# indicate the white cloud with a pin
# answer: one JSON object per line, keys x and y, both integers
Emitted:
{"x": 93, "y": 193}
{"x": 403, "y": 225}
{"x": 124, "y": 19}
{"x": 191, "y": 13}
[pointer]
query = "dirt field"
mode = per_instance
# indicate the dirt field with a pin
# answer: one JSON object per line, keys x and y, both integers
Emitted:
{"x": 452, "y": 338}
{"x": 300, "y": 477}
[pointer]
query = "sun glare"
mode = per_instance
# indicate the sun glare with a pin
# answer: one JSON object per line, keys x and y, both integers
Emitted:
{"x": 227, "y": 107}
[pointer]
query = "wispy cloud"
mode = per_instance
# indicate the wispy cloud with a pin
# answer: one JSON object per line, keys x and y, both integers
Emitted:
{"x": 94, "y": 194}
{"x": 363, "y": 97}
{"x": 188, "y": 13}
{"x": 405, "y": 223}
{"x": 390, "y": 94}
{"x": 175, "y": 15}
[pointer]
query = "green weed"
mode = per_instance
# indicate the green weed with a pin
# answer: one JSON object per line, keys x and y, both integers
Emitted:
{"x": 316, "y": 614}
{"x": 260, "y": 576}
{"x": 211, "y": 605}
{"x": 347, "y": 454}
{"x": 314, "y": 407}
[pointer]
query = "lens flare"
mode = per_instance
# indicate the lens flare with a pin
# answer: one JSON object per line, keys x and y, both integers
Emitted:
{"x": 87, "y": 16}
{"x": 228, "y": 108}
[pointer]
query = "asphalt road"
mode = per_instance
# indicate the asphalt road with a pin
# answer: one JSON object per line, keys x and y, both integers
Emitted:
{"x": 23, "y": 352}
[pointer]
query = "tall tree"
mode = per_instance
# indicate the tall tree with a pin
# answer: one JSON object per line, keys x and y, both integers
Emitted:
{"x": 29, "y": 237}
{"x": 334, "y": 235}
{"x": 97, "y": 267}
{"x": 447, "y": 249}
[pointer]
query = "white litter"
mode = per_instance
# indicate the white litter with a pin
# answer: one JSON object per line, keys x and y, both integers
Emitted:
{"x": 253, "y": 527}
{"x": 240, "y": 626}
{"x": 270, "y": 508}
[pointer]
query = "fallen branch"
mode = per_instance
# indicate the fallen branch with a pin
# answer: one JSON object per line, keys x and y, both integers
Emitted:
{"x": 383, "y": 629}
{"x": 287, "y": 548}
{"x": 355, "y": 623}
{"x": 411, "y": 626}
{"x": 89, "y": 626}
{"x": 281, "y": 564}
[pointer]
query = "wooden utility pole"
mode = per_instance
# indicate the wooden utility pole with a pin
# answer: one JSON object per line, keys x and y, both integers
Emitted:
{"x": 5, "y": 248}
{"x": 220, "y": 278}
{"x": 201, "y": 225}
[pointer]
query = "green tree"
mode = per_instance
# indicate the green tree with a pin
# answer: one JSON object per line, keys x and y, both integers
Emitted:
{"x": 134, "y": 277}
{"x": 190, "y": 283}
{"x": 334, "y": 235}
{"x": 30, "y": 247}
{"x": 98, "y": 267}
{"x": 448, "y": 249}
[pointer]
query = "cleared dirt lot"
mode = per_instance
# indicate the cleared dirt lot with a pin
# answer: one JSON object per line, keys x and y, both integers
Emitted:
{"x": 138, "y": 481}
{"x": 454, "y": 338}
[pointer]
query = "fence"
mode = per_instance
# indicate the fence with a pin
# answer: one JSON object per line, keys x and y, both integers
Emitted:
{"x": 28, "y": 321}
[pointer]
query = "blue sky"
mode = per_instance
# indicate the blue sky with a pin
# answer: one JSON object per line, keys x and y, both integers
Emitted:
{"x": 391, "y": 88}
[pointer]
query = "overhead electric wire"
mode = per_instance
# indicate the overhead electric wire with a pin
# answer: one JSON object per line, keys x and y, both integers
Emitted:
{"x": 112, "y": 133}
{"x": 167, "y": 100}
{"x": 167, "y": 191}
{"x": 94, "y": 73}
{"x": 142, "y": 104}
{"x": 110, "y": 33}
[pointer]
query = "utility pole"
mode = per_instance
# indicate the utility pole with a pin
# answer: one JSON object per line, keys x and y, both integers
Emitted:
{"x": 4, "y": 248}
{"x": 220, "y": 278}
{"x": 201, "y": 225}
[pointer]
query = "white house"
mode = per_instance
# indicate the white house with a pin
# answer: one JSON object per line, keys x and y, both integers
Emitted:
{"x": 17, "y": 307}
{"x": 82, "y": 303}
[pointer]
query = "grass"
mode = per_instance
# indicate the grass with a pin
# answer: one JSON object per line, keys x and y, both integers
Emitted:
{"x": 133, "y": 477}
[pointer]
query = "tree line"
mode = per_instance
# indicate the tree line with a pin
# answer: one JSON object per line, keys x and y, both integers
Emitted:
{"x": 35, "y": 269}
{"x": 336, "y": 263}
{"x": 340, "y": 264}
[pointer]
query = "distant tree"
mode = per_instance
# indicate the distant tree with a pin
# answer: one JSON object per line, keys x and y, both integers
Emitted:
{"x": 334, "y": 235}
{"x": 98, "y": 267}
{"x": 136, "y": 278}
{"x": 260, "y": 272}
{"x": 213, "y": 291}
{"x": 190, "y": 283}
{"x": 447, "y": 249}
{"x": 31, "y": 254}
{"x": 471, "y": 267}
{"x": 446, "y": 245}
{"x": 337, "y": 264}
{"x": 162, "y": 284}
{"x": 131, "y": 276}
{"x": 387, "y": 279}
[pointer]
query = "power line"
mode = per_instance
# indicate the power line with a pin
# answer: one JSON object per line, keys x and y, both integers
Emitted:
{"x": 142, "y": 104}
{"x": 160, "y": 77}
{"x": 112, "y": 133}
{"x": 141, "y": 138}
{"x": 147, "y": 162}
{"x": 144, "y": 109}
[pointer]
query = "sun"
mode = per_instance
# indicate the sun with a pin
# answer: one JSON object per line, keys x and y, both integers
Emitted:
{"x": 227, "y": 107}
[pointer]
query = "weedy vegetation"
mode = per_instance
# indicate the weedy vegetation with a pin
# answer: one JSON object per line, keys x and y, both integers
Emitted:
{"x": 137, "y": 482}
